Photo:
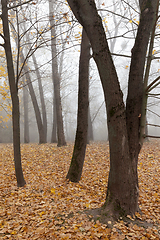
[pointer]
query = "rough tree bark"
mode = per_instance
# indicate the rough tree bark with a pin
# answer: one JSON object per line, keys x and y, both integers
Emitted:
{"x": 122, "y": 191}
{"x": 56, "y": 80}
{"x": 13, "y": 84}
{"x": 76, "y": 166}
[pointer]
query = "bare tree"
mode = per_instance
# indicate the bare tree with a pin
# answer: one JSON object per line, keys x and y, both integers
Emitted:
{"x": 56, "y": 81}
{"x": 13, "y": 83}
{"x": 76, "y": 166}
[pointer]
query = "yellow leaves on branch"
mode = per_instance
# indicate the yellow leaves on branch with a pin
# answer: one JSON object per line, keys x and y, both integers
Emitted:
{"x": 49, "y": 207}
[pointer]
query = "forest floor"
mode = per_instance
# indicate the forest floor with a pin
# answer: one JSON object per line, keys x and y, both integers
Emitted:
{"x": 49, "y": 207}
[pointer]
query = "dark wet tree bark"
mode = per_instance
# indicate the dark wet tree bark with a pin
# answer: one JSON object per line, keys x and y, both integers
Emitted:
{"x": 56, "y": 80}
{"x": 122, "y": 192}
{"x": 13, "y": 84}
{"x": 76, "y": 166}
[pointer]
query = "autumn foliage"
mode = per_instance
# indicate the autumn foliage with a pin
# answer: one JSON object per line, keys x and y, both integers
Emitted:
{"x": 49, "y": 207}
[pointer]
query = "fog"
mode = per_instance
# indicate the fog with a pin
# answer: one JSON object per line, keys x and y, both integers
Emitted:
{"x": 121, "y": 34}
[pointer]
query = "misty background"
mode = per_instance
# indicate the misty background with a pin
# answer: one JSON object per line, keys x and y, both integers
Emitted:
{"x": 120, "y": 20}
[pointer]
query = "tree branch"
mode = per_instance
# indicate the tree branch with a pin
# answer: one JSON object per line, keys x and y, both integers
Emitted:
{"x": 2, "y": 45}
{"x": 119, "y": 15}
{"x": 150, "y": 136}
{"x": 148, "y": 89}
{"x": 154, "y": 125}
{"x": 2, "y": 36}
{"x": 20, "y": 4}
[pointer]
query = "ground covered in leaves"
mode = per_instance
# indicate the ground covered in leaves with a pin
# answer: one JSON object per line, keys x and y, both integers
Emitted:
{"x": 49, "y": 207}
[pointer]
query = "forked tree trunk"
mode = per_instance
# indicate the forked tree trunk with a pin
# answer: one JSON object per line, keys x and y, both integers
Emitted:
{"x": 14, "y": 97}
{"x": 56, "y": 79}
{"x": 76, "y": 166}
{"x": 122, "y": 192}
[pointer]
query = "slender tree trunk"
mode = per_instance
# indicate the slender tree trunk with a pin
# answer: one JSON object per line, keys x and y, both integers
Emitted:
{"x": 122, "y": 192}
{"x": 90, "y": 127}
{"x": 35, "y": 105}
{"x": 146, "y": 131}
{"x": 36, "y": 108}
{"x": 136, "y": 83}
{"x": 14, "y": 96}
{"x": 54, "y": 128}
{"x": 143, "y": 125}
{"x": 43, "y": 106}
{"x": 33, "y": 97}
{"x": 56, "y": 79}
{"x": 26, "y": 121}
{"x": 75, "y": 170}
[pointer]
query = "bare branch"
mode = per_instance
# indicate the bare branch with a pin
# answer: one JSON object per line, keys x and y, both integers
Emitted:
{"x": 154, "y": 125}
{"x": 119, "y": 15}
{"x": 2, "y": 45}
{"x": 148, "y": 89}
{"x": 145, "y": 136}
{"x": 2, "y": 36}
{"x": 153, "y": 113}
{"x": 131, "y": 7}
{"x": 120, "y": 55}
{"x": 20, "y": 4}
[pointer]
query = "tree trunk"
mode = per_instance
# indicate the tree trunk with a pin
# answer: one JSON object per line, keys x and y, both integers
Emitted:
{"x": 136, "y": 84}
{"x": 54, "y": 128}
{"x": 26, "y": 121}
{"x": 146, "y": 131}
{"x": 14, "y": 96}
{"x": 56, "y": 80}
{"x": 90, "y": 127}
{"x": 35, "y": 104}
{"x": 43, "y": 106}
{"x": 122, "y": 192}
{"x": 33, "y": 97}
{"x": 76, "y": 166}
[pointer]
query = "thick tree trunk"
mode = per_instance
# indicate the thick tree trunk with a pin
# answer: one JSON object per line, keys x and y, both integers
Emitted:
{"x": 26, "y": 121}
{"x": 76, "y": 166}
{"x": 14, "y": 96}
{"x": 56, "y": 80}
{"x": 43, "y": 106}
{"x": 122, "y": 193}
